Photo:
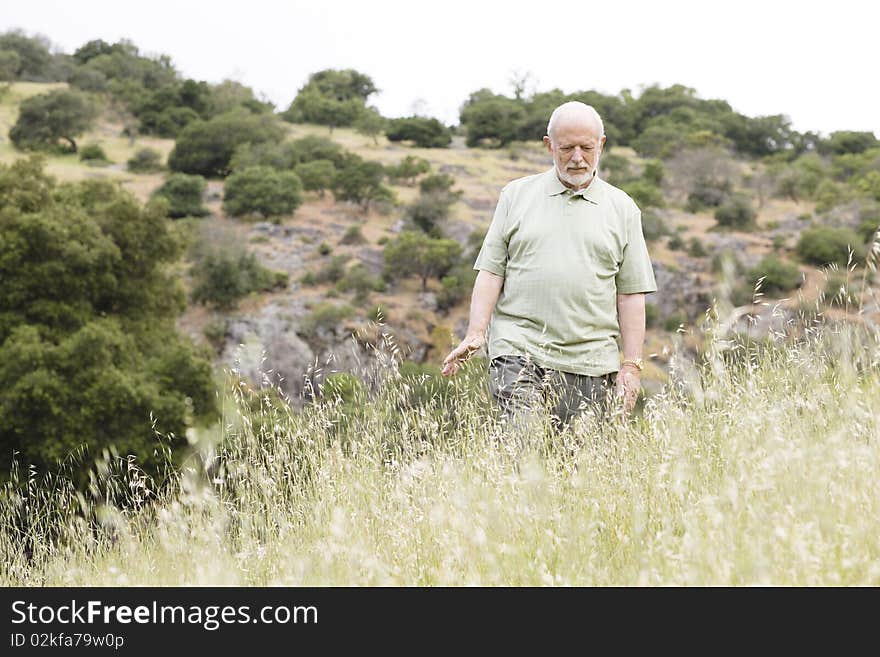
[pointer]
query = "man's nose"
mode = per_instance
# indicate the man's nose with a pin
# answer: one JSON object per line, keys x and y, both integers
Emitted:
{"x": 577, "y": 153}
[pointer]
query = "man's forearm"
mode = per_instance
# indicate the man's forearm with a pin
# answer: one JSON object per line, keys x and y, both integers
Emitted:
{"x": 631, "y": 316}
{"x": 487, "y": 289}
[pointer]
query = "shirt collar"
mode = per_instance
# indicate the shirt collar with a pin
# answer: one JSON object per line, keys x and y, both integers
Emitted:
{"x": 555, "y": 187}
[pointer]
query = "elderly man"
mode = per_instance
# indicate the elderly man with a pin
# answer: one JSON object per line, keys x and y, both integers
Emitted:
{"x": 563, "y": 273}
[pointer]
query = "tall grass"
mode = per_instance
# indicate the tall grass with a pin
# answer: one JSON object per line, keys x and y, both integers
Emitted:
{"x": 757, "y": 464}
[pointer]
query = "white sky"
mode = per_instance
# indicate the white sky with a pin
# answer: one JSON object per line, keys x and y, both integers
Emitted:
{"x": 813, "y": 61}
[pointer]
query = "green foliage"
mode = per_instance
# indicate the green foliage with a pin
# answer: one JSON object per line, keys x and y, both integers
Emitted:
{"x": 848, "y": 142}
{"x": 359, "y": 280}
{"x": 92, "y": 153}
{"x": 825, "y": 245}
{"x": 230, "y": 95}
{"x": 675, "y": 243}
{"x": 416, "y": 254}
{"x": 707, "y": 192}
{"x": 184, "y": 194}
{"x": 370, "y": 123}
{"x": 779, "y": 276}
{"x": 324, "y": 248}
{"x": 696, "y": 248}
{"x": 353, "y": 235}
{"x": 333, "y": 98}
{"x": 360, "y": 181}
{"x": 315, "y": 147}
{"x": 262, "y": 191}
{"x": 423, "y": 132}
{"x": 653, "y": 172}
{"x": 324, "y": 317}
{"x": 617, "y": 168}
{"x": 455, "y": 287}
{"x": 223, "y": 277}
{"x": 332, "y": 271}
{"x": 145, "y": 160}
{"x": 492, "y": 120}
{"x": 437, "y": 183}
{"x": 644, "y": 193}
{"x": 407, "y": 169}
{"x": 27, "y": 58}
{"x": 430, "y": 211}
{"x": 206, "y": 147}
{"x": 88, "y": 347}
{"x": 45, "y": 119}
{"x": 736, "y": 212}
{"x": 801, "y": 178}
{"x": 316, "y": 176}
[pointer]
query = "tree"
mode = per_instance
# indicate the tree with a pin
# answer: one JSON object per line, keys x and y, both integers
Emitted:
{"x": 184, "y": 194}
{"x": 848, "y": 141}
{"x": 32, "y": 55}
{"x": 45, "y": 119}
{"x": 407, "y": 169}
{"x": 316, "y": 176}
{"x": 423, "y": 132}
{"x": 415, "y": 254}
{"x": 333, "y": 98}
{"x": 222, "y": 278}
{"x": 370, "y": 124}
{"x": 493, "y": 118}
{"x": 360, "y": 181}
{"x": 262, "y": 191}
{"x": 88, "y": 345}
{"x": 206, "y": 147}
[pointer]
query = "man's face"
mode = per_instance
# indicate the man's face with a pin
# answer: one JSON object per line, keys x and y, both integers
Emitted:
{"x": 575, "y": 147}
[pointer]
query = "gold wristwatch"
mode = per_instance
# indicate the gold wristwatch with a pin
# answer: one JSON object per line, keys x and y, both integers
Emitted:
{"x": 638, "y": 363}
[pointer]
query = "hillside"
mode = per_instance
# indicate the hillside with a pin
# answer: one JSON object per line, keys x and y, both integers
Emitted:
{"x": 269, "y": 325}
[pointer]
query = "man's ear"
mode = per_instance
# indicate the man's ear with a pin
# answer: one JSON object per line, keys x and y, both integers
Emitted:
{"x": 547, "y": 141}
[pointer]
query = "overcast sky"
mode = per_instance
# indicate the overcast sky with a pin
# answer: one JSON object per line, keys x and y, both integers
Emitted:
{"x": 815, "y": 62}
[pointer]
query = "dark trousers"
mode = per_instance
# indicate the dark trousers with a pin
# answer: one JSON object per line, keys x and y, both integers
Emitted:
{"x": 523, "y": 389}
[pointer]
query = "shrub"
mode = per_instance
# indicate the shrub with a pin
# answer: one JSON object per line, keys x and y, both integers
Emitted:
{"x": 46, "y": 119}
{"x": 92, "y": 153}
{"x": 644, "y": 193}
{"x": 184, "y": 194}
{"x": 316, "y": 175}
{"x": 455, "y": 287}
{"x": 333, "y": 271}
{"x": 145, "y": 160}
{"x": 324, "y": 316}
{"x": 824, "y": 245}
{"x": 736, "y": 212}
{"x": 325, "y": 249}
{"x": 779, "y": 276}
{"x": 353, "y": 235}
{"x": 423, "y": 132}
{"x": 262, "y": 191}
{"x": 206, "y": 147}
{"x": 696, "y": 248}
{"x": 407, "y": 169}
{"x": 222, "y": 278}
{"x": 707, "y": 193}
{"x": 359, "y": 280}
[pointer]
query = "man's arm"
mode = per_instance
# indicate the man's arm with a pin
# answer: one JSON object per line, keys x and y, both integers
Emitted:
{"x": 487, "y": 289}
{"x": 631, "y": 316}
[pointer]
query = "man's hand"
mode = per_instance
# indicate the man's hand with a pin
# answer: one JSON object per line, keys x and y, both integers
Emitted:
{"x": 461, "y": 353}
{"x": 629, "y": 382}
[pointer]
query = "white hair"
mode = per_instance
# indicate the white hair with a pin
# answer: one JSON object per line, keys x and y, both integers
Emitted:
{"x": 575, "y": 107}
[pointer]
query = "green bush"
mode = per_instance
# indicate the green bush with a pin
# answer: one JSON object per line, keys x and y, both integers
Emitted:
{"x": 423, "y": 132}
{"x": 316, "y": 175}
{"x": 779, "y": 276}
{"x": 353, "y": 235}
{"x": 824, "y": 245}
{"x": 455, "y": 287}
{"x": 653, "y": 225}
{"x": 644, "y": 193}
{"x": 262, "y": 191}
{"x": 707, "y": 192}
{"x": 359, "y": 280}
{"x": 407, "y": 169}
{"x": 736, "y": 212}
{"x": 222, "y": 278}
{"x": 206, "y": 147}
{"x": 324, "y": 316}
{"x": 696, "y": 248}
{"x": 145, "y": 160}
{"x": 92, "y": 153}
{"x": 184, "y": 194}
{"x": 46, "y": 119}
{"x": 333, "y": 271}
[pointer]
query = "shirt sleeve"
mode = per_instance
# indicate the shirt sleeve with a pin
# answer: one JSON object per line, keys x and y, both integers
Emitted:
{"x": 493, "y": 253}
{"x": 636, "y": 273}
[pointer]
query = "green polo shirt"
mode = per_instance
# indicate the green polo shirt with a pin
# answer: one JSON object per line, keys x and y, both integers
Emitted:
{"x": 565, "y": 257}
